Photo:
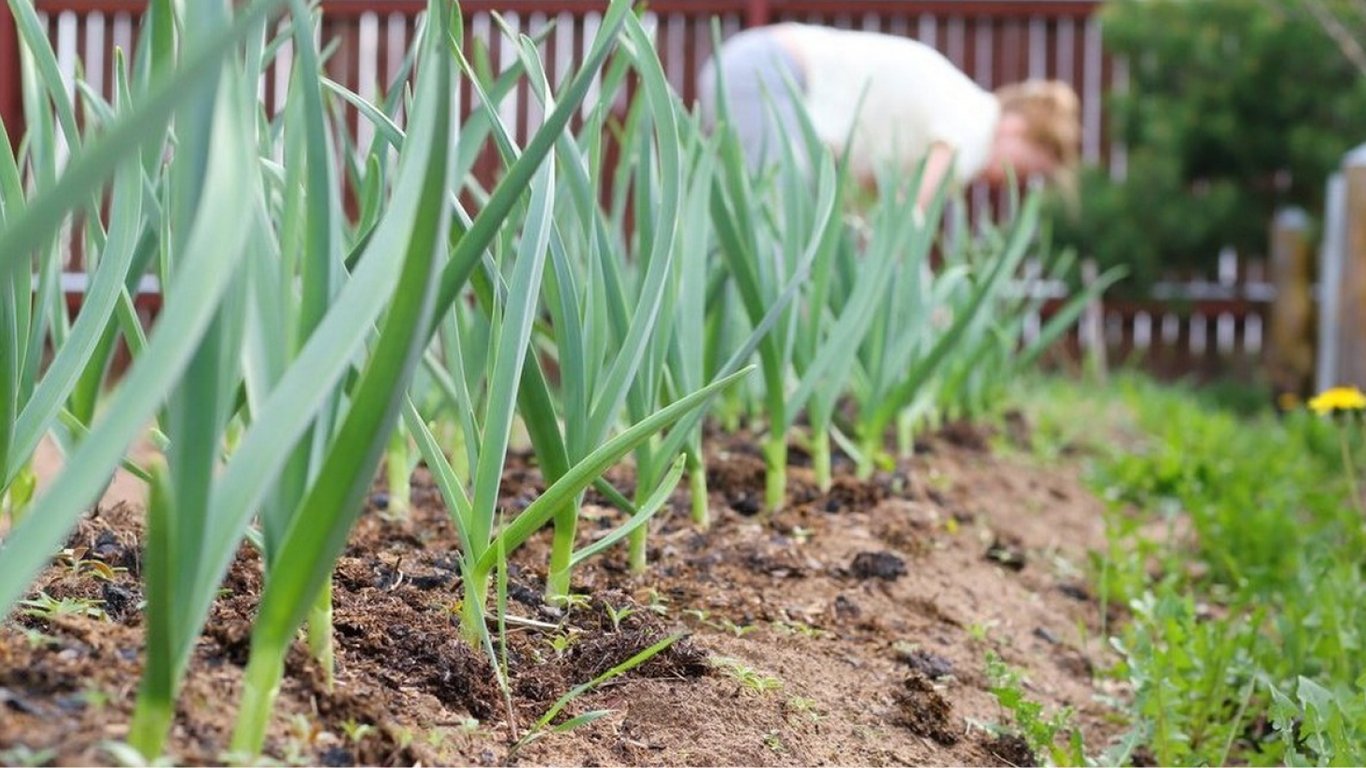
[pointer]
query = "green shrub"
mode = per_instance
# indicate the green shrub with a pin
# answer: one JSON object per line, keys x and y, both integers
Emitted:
{"x": 1233, "y": 108}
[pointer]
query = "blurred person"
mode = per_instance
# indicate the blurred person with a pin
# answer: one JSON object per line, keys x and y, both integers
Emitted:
{"x": 894, "y": 102}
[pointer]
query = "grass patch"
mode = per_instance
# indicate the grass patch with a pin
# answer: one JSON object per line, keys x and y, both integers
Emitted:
{"x": 1234, "y": 545}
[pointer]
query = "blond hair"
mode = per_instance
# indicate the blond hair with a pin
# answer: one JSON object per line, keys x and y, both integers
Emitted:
{"x": 1052, "y": 116}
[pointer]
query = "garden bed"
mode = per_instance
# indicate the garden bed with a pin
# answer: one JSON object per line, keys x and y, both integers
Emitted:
{"x": 852, "y": 629}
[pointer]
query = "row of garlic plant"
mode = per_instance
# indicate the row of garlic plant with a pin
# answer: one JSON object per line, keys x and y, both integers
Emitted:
{"x": 288, "y": 334}
{"x": 296, "y": 346}
{"x": 895, "y": 326}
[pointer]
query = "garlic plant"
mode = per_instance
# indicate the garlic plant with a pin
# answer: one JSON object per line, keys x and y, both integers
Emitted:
{"x": 298, "y": 345}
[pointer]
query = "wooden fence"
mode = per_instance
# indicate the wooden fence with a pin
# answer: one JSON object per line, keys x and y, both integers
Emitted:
{"x": 1192, "y": 325}
{"x": 994, "y": 41}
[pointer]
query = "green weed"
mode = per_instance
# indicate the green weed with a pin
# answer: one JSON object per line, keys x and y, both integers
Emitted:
{"x": 799, "y": 706}
{"x": 749, "y": 677}
{"x": 46, "y": 607}
{"x": 794, "y": 628}
{"x": 1041, "y": 732}
{"x": 617, "y": 615}
{"x": 1234, "y": 545}
{"x": 357, "y": 732}
{"x": 21, "y": 755}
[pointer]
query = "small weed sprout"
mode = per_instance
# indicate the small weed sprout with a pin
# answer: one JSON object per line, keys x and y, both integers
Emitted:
{"x": 658, "y": 603}
{"x": 36, "y": 638}
{"x": 746, "y": 675}
{"x": 721, "y": 624}
{"x": 303, "y": 737}
{"x": 980, "y": 630}
{"x": 561, "y": 642}
{"x": 1039, "y": 732}
{"x": 77, "y": 564}
{"x": 570, "y": 602}
{"x": 794, "y": 628}
{"x": 802, "y": 706}
{"x": 22, "y": 756}
{"x": 617, "y": 615}
{"x": 543, "y": 727}
{"x": 357, "y": 732}
{"x": 94, "y": 697}
{"x": 739, "y": 630}
{"x": 403, "y": 736}
{"x": 46, "y": 607}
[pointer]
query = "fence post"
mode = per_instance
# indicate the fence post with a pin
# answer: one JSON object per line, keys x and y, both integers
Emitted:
{"x": 1290, "y": 352}
{"x": 1092, "y": 330}
{"x": 1351, "y": 317}
{"x": 11, "y": 84}
{"x": 757, "y": 13}
{"x": 1331, "y": 250}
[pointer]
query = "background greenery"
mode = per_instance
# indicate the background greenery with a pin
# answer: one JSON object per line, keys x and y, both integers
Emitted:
{"x": 1235, "y": 553}
{"x": 1234, "y": 107}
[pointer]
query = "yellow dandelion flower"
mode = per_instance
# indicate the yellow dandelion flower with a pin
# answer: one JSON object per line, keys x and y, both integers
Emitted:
{"x": 1338, "y": 400}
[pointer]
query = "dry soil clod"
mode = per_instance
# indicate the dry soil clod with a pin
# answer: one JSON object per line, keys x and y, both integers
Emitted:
{"x": 922, "y": 709}
{"x": 878, "y": 565}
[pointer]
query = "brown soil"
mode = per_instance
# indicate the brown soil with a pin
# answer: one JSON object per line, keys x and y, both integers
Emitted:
{"x": 849, "y": 629}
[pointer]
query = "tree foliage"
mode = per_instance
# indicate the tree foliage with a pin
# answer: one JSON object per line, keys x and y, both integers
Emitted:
{"x": 1233, "y": 108}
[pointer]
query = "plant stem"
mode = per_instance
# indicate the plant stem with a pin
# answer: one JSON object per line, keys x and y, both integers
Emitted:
{"x": 729, "y": 409}
{"x": 820, "y": 455}
{"x": 637, "y": 552}
{"x": 472, "y": 606}
{"x": 775, "y": 479}
{"x": 16, "y": 499}
{"x": 155, "y": 708}
{"x": 152, "y": 720}
{"x": 905, "y": 434}
{"x": 646, "y": 478}
{"x": 561, "y": 550}
{"x": 261, "y": 685}
{"x": 868, "y": 448}
{"x": 396, "y": 470}
{"x": 697, "y": 487}
{"x": 320, "y": 634}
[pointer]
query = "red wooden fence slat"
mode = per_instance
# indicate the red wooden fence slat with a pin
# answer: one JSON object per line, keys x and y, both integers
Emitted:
{"x": 11, "y": 94}
{"x": 755, "y": 12}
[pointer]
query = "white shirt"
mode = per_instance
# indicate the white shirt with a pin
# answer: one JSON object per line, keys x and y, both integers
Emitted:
{"x": 904, "y": 96}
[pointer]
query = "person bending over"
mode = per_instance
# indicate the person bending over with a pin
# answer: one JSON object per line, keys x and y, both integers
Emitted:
{"x": 891, "y": 101}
